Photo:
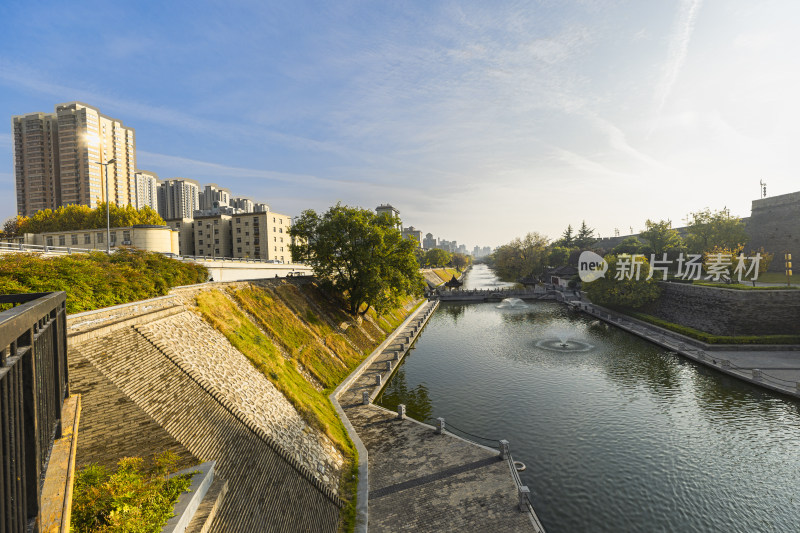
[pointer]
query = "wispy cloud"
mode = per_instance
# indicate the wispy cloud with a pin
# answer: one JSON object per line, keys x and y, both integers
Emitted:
{"x": 678, "y": 49}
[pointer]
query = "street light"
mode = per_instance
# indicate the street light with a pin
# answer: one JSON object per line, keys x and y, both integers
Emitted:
{"x": 108, "y": 206}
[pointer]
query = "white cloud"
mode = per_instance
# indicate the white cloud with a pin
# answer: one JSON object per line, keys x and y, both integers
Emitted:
{"x": 678, "y": 49}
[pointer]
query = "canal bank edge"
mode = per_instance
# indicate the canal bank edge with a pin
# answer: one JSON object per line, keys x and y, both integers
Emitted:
{"x": 680, "y": 344}
{"x": 362, "y": 493}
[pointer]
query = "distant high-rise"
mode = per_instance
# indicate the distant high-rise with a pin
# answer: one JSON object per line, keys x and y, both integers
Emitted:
{"x": 214, "y": 197}
{"x": 181, "y": 198}
{"x": 147, "y": 188}
{"x": 58, "y": 156}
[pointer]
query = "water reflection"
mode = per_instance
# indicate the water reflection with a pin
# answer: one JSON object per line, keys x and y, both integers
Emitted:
{"x": 417, "y": 400}
{"x": 622, "y": 437}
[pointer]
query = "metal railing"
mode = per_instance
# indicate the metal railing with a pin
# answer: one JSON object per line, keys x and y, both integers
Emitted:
{"x": 33, "y": 385}
{"x": 40, "y": 248}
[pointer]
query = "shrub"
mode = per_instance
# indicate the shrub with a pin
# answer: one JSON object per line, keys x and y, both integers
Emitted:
{"x": 131, "y": 499}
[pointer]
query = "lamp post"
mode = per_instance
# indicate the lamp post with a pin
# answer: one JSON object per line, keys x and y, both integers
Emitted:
{"x": 108, "y": 206}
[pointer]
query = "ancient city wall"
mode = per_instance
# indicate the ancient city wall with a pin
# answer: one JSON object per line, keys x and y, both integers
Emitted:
{"x": 775, "y": 225}
{"x": 729, "y": 311}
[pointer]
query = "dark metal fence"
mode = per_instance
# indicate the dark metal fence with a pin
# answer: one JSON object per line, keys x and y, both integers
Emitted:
{"x": 33, "y": 385}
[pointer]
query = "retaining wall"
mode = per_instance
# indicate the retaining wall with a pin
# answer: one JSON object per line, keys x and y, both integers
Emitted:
{"x": 728, "y": 311}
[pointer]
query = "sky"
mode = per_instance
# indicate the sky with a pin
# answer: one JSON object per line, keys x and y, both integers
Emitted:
{"x": 479, "y": 121}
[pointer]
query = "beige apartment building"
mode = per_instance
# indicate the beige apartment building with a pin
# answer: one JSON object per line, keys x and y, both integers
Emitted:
{"x": 185, "y": 229}
{"x": 58, "y": 156}
{"x": 144, "y": 237}
{"x": 212, "y": 236}
{"x": 262, "y": 236}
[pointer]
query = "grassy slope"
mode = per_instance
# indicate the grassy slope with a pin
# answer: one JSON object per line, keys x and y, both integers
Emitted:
{"x": 308, "y": 337}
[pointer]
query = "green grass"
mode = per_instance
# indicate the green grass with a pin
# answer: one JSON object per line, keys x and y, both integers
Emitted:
{"x": 262, "y": 353}
{"x": 709, "y": 338}
{"x": 777, "y": 277}
{"x": 446, "y": 274}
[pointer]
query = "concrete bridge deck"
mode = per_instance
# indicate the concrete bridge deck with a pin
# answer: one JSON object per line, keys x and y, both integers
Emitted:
{"x": 422, "y": 481}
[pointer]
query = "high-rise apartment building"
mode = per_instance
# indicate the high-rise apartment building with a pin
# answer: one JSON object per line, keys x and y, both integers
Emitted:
{"x": 181, "y": 198}
{"x": 147, "y": 187}
{"x": 214, "y": 197}
{"x": 58, "y": 156}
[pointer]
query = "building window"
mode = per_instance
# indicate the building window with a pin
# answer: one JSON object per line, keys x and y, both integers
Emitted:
{"x": 273, "y": 219}
{"x": 74, "y": 239}
{"x": 238, "y": 230}
{"x": 281, "y": 239}
{"x": 238, "y": 239}
{"x": 276, "y": 248}
{"x": 217, "y": 251}
{"x": 275, "y": 239}
{"x": 256, "y": 241}
{"x": 99, "y": 237}
{"x": 216, "y": 222}
{"x": 246, "y": 223}
{"x": 49, "y": 241}
{"x": 87, "y": 238}
{"x": 280, "y": 230}
{"x": 201, "y": 242}
{"x": 238, "y": 250}
{"x": 216, "y": 241}
{"x": 238, "y": 219}
{"x": 274, "y": 228}
{"x": 258, "y": 250}
{"x": 62, "y": 240}
{"x": 126, "y": 236}
{"x": 216, "y": 231}
{"x": 246, "y": 233}
{"x": 255, "y": 220}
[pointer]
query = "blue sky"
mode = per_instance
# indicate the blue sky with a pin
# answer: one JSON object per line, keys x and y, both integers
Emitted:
{"x": 479, "y": 121}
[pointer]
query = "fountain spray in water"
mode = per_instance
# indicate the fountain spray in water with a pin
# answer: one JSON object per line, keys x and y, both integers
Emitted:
{"x": 512, "y": 303}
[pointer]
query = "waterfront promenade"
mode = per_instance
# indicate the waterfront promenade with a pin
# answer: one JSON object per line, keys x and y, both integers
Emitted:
{"x": 419, "y": 480}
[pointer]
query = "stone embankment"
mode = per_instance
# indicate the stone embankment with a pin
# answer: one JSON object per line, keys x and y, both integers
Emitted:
{"x": 156, "y": 377}
{"x": 419, "y": 479}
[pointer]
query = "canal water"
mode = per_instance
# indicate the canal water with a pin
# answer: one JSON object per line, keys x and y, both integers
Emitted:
{"x": 617, "y": 434}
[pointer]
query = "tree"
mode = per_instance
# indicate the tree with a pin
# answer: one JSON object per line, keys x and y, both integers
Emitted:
{"x": 567, "y": 238}
{"x": 460, "y": 261}
{"x": 436, "y": 257}
{"x": 558, "y": 256}
{"x": 585, "y": 237}
{"x": 11, "y": 227}
{"x": 629, "y": 245}
{"x": 632, "y": 293}
{"x": 78, "y": 217}
{"x": 719, "y": 229}
{"x": 521, "y": 257}
{"x": 359, "y": 255}
{"x": 662, "y": 238}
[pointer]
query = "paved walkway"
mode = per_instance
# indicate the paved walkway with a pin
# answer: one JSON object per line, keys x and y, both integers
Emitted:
{"x": 425, "y": 482}
{"x": 769, "y": 367}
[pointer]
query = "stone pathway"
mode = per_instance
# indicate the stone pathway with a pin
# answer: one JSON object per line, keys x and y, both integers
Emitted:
{"x": 422, "y": 481}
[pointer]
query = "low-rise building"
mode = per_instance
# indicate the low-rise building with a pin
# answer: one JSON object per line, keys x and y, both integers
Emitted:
{"x": 185, "y": 228}
{"x": 212, "y": 236}
{"x": 262, "y": 236}
{"x": 161, "y": 239}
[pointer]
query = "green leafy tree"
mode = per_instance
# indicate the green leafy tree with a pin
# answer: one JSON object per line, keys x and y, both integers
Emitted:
{"x": 521, "y": 257}
{"x": 358, "y": 254}
{"x": 585, "y": 237}
{"x": 437, "y": 257}
{"x": 631, "y": 293}
{"x": 79, "y": 217}
{"x": 558, "y": 255}
{"x": 460, "y": 261}
{"x": 718, "y": 229}
{"x": 629, "y": 245}
{"x": 11, "y": 227}
{"x": 661, "y": 238}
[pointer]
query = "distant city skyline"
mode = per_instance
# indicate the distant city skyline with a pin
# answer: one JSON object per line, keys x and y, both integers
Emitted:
{"x": 478, "y": 122}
